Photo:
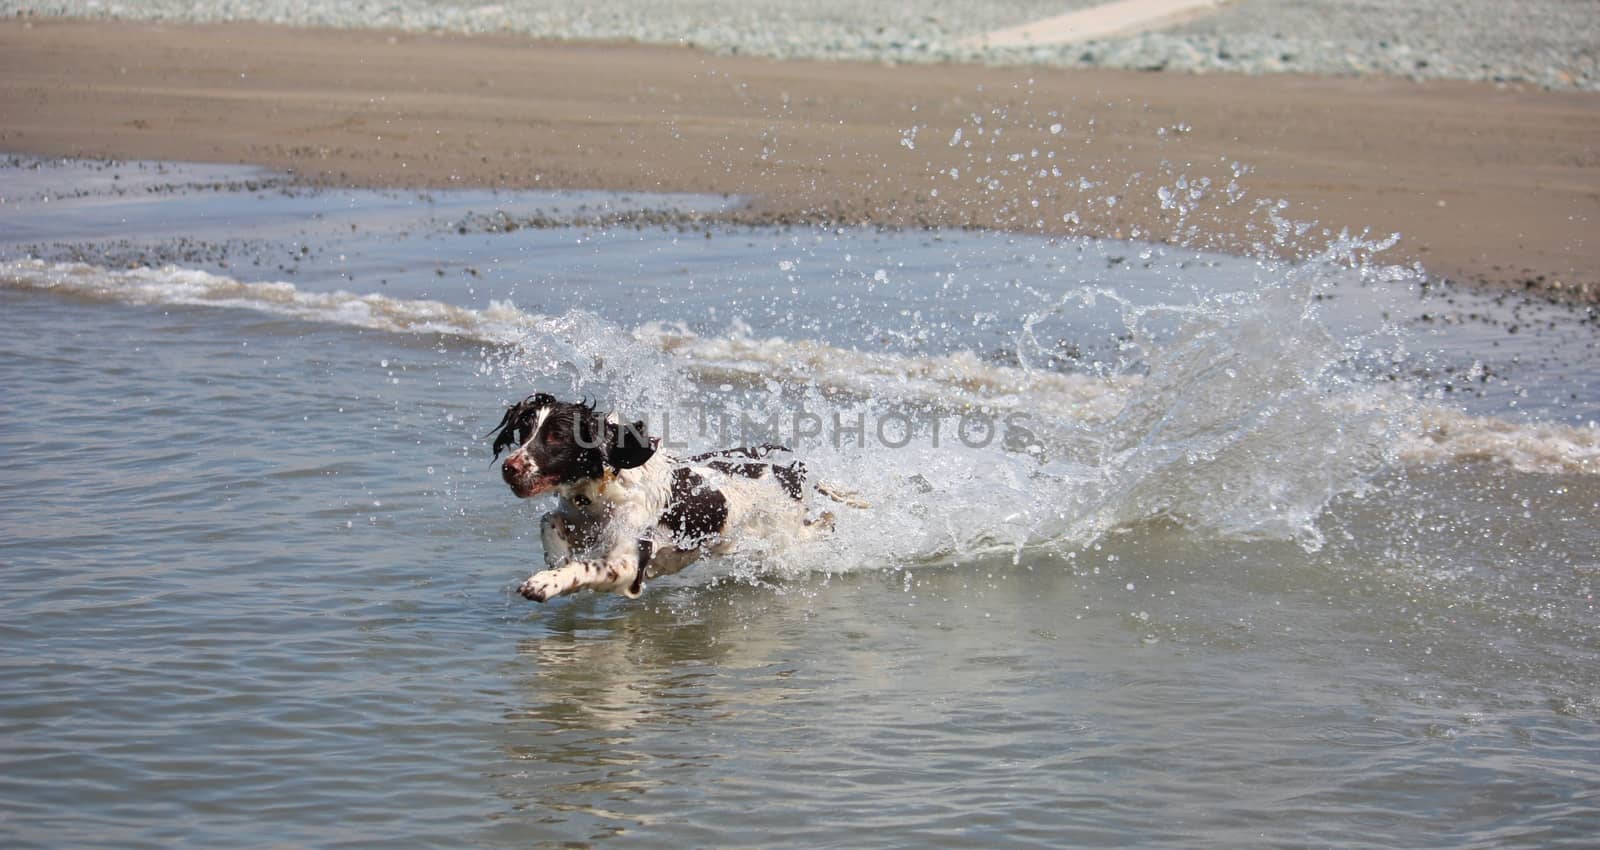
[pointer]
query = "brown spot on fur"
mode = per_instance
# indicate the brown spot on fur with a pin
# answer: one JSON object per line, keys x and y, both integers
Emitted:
{"x": 743, "y": 470}
{"x": 751, "y": 452}
{"x": 793, "y": 479}
{"x": 695, "y": 510}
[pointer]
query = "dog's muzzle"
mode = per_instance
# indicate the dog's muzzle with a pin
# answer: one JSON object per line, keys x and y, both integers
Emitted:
{"x": 518, "y": 475}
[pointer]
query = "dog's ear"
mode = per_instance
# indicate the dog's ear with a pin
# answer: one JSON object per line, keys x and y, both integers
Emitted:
{"x": 628, "y": 446}
{"x": 505, "y": 434}
{"x": 509, "y": 432}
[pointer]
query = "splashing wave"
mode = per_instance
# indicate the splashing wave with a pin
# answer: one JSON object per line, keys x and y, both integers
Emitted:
{"x": 1238, "y": 424}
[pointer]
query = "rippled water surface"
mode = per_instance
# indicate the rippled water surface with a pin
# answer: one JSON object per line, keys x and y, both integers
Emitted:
{"x": 1300, "y": 556}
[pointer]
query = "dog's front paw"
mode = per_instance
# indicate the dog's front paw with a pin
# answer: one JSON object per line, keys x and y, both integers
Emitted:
{"x": 542, "y": 586}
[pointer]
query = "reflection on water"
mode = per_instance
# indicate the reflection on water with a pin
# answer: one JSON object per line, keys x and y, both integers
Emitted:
{"x": 997, "y": 704}
{"x": 621, "y": 704}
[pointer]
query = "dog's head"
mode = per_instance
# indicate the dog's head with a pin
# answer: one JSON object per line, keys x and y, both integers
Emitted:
{"x": 562, "y": 443}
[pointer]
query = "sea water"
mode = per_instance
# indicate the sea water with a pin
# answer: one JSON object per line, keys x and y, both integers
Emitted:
{"x": 1257, "y": 552}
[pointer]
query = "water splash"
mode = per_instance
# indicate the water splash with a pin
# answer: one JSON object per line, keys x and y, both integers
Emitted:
{"x": 1235, "y": 416}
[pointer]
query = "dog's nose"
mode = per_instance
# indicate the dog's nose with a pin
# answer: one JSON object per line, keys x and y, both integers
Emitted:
{"x": 514, "y": 465}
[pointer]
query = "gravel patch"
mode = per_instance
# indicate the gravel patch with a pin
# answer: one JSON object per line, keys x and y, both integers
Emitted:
{"x": 1549, "y": 43}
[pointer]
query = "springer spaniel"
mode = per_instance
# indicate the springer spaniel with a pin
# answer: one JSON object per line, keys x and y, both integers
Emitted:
{"x": 626, "y": 512}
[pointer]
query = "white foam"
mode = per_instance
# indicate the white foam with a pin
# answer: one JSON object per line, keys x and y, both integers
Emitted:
{"x": 1450, "y": 436}
{"x": 957, "y": 380}
{"x": 1278, "y": 404}
{"x": 175, "y": 285}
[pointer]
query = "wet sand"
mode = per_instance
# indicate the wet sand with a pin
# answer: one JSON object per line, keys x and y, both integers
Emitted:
{"x": 1484, "y": 184}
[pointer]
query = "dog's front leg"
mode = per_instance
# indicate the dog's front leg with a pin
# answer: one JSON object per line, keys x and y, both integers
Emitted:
{"x": 557, "y": 539}
{"x": 617, "y": 572}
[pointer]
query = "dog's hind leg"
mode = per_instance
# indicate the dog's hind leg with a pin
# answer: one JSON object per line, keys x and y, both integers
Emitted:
{"x": 842, "y": 496}
{"x": 823, "y": 523}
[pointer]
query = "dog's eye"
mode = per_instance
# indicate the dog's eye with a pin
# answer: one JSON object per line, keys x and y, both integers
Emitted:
{"x": 551, "y": 438}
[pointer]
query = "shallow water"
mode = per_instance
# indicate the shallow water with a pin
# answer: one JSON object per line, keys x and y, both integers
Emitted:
{"x": 1254, "y": 575}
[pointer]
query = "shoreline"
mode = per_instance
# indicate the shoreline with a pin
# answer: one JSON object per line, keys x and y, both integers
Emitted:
{"x": 1546, "y": 43}
{"x": 1485, "y": 184}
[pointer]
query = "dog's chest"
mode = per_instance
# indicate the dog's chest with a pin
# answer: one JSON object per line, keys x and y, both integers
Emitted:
{"x": 593, "y": 509}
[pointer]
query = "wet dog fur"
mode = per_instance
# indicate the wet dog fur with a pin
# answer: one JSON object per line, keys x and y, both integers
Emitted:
{"x": 627, "y": 511}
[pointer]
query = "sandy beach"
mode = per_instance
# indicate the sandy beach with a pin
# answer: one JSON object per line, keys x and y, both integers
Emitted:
{"x": 1484, "y": 183}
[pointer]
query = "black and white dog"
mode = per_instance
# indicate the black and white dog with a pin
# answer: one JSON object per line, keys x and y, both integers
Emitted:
{"x": 626, "y": 512}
